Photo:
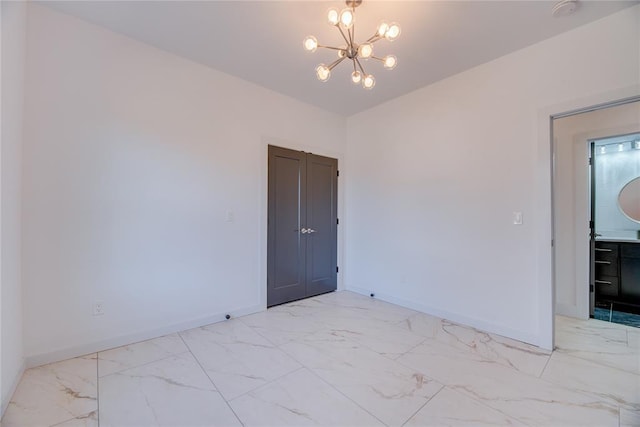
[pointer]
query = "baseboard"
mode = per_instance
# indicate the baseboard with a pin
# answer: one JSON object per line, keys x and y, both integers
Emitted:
{"x": 454, "y": 317}
{"x": 14, "y": 385}
{"x": 109, "y": 343}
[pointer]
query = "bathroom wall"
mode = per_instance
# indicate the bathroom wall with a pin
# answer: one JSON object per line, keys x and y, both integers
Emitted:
{"x": 613, "y": 170}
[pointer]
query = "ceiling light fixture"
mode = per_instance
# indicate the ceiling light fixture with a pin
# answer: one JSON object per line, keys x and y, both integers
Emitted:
{"x": 344, "y": 21}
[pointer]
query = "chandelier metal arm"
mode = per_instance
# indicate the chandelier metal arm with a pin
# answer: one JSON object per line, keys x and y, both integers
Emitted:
{"x": 336, "y": 62}
{"x": 330, "y": 47}
{"x": 343, "y": 36}
{"x": 360, "y": 65}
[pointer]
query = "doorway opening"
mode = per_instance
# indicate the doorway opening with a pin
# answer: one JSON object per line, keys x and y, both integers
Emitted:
{"x": 574, "y": 234}
{"x": 615, "y": 229}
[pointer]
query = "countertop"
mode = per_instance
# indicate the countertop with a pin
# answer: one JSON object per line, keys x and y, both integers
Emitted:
{"x": 617, "y": 240}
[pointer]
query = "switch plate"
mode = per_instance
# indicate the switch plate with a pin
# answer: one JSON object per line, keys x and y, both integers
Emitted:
{"x": 517, "y": 218}
{"x": 230, "y": 216}
{"x": 98, "y": 308}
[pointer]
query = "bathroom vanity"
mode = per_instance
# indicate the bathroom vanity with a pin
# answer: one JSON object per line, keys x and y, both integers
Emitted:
{"x": 617, "y": 270}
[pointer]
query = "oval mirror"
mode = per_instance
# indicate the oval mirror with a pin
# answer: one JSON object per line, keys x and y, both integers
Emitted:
{"x": 629, "y": 199}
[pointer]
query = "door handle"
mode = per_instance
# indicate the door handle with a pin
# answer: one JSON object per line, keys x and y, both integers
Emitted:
{"x": 304, "y": 231}
{"x": 311, "y": 230}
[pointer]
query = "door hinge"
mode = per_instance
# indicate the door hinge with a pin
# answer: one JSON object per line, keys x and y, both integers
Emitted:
{"x": 552, "y": 242}
{"x": 590, "y": 161}
{"x": 591, "y": 288}
{"x": 337, "y": 173}
{"x": 591, "y": 224}
{"x": 337, "y": 269}
{"x": 338, "y": 221}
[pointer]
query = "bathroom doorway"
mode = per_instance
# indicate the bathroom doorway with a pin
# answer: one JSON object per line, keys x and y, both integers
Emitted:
{"x": 615, "y": 229}
{"x": 573, "y": 237}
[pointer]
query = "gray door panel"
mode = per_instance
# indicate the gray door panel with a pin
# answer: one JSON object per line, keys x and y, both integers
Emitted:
{"x": 322, "y": 185}
{"x": 286, "y": 245}
{"x": 302, "y": 228}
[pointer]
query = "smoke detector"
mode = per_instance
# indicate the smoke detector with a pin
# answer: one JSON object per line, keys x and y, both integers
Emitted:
{"x": 564, "y": 8}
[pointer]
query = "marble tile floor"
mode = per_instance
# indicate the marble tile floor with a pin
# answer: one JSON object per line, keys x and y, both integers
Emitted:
{"x": 342, "y": 359}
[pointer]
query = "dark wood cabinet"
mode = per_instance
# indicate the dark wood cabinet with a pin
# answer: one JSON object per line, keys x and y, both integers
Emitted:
{"x": 617, "y": 272}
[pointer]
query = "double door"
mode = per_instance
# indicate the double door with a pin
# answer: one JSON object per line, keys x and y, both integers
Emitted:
{"x": 302, "y": 225}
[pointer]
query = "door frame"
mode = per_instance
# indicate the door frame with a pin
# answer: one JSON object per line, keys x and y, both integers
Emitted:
{"x": 545, "y": 242}
{"x": 264, "y": 203}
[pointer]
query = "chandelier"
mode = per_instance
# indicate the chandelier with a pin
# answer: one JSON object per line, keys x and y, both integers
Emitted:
{"x": 344, "y": 21}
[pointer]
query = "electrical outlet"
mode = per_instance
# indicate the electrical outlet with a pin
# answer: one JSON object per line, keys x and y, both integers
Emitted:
{"x": 98, "y": 308}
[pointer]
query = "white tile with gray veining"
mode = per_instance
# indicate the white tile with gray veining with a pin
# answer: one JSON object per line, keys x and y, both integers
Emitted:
{"x": 300, "y": 399}
{"x": 342, "y": 359}
{"x": 87, "y": 420}
{"x": 601, "y": 342}
{"x": 52, "y": 394}
{"x": 283, "y": 324}
{"x": 236, "y": 357}
{"x": 518, "y": 395}
{"x": 169, "y": 392}
{"x": 355, "y": 306}
{"x": 137, "y": 354}
{"x": 451, "y": 408}
{"x": 518, "y": 355}
{"x": 610, "y": 384}
{"x": 390, "y": 391}
{"x": 629, "y": 418}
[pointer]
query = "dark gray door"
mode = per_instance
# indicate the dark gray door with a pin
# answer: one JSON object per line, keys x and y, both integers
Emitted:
{"x": 302, "y": 230}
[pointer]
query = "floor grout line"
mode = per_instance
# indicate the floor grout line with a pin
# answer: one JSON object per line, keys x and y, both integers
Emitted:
{"x": 209, "y": 377}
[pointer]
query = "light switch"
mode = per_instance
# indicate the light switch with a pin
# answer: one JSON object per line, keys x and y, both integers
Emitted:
{"x": 517, "y": 218}
{"x": 230, "y": 216}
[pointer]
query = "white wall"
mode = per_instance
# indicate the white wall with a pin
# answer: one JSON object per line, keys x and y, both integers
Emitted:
{"x": 572, "y": 199}
{"x": 435, "y": 176}
{"x": 132, "y": 159}
{"x": 12, "y": 86}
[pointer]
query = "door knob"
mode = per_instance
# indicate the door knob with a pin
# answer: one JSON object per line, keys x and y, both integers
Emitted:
{"x": 311, "y": 230}
{"x": 304, "y": 231}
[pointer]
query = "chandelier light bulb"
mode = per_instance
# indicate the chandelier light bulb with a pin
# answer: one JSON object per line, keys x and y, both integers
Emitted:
{"x": 356, "y": 77}
{"x": 390, "y": 62}
{"x": 333, "y": 16}
{"x": 392, "y": 32}
{"x": 382, "y": 29}
{"x": 346, "y": 18}
{"x": 365, "y": 50}
{"x": 310, "y": 44}
{"x": 323, "y": 72}
{"x": 368, "y": 82}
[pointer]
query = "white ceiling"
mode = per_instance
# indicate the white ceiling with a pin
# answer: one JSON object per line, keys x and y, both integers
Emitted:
{"x": 261, "y": 41}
